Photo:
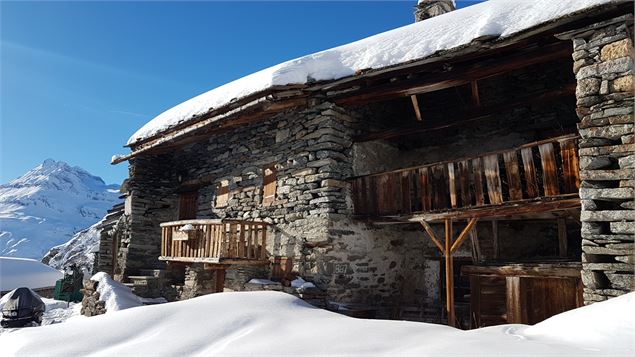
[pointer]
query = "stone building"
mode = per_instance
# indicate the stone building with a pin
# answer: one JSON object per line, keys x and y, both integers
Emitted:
{"x": 470, "y": 184}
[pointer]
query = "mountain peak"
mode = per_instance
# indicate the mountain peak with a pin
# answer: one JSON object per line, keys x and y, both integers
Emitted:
{"x": 48, "y": 204}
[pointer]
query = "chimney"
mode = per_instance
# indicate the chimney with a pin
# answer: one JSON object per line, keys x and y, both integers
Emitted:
{"x": 426, "y": 9}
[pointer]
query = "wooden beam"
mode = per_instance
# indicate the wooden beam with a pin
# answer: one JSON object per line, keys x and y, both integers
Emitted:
{"x": 495, "y": 238}
{"x": 436, "y": 81}
{"x": 476, "y": 246}
{"x": 415, "y": 105}
{"x": 432, "y": 236}
{"x": 528, "y": 207}
{"x": 457, "y": 243}
{"x": 470, "y": 115}
{"x": 562, "y": 237}
{"x": 562, "y": 270}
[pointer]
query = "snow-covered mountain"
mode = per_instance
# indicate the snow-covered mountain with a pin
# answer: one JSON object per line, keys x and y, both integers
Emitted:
{"x": 78, "y": 250}
{"x": 48, "y": 205}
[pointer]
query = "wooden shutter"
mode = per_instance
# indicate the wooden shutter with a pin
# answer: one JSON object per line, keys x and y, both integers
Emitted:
{"x": 222, "y": 194}
{"x": 269, "y": 185}
{"x": 188, "y": 205}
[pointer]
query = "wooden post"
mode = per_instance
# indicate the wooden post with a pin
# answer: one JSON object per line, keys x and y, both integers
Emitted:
{"x": 562, "y": 237}
{"x": 415, "y": 105}
{"x": 449, "y": 274}
{"x": 495, "y": 236}
{"x": 514, "y": 313}
{"x": 220, "y": 280}
{"x": 476, "y": 100}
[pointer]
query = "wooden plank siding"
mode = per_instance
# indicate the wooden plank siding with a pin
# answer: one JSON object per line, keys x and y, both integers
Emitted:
{"x": 531, "y": 172}
{"x": 214, "y": 241}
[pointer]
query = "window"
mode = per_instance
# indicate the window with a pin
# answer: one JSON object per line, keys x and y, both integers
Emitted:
{"x": 222, "y": 194}
{"x": 188, "y": 205}
{"x": 269, "y": 185}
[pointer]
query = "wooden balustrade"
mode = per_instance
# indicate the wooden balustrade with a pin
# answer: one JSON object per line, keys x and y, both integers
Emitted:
{"x": 544, "y": 169}
{"x": 214, "y": 241}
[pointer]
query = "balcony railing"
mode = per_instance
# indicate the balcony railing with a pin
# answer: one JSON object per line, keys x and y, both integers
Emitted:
{"x": 214, "y": 241}
{"x": 544, "y": 169}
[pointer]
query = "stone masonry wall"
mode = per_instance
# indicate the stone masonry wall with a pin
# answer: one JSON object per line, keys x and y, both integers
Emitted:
{"x": 311, "y": 150}
{"x": 603, "y": 55}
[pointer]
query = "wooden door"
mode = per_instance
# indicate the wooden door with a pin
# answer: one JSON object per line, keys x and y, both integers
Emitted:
{"x": 188, "y": 205}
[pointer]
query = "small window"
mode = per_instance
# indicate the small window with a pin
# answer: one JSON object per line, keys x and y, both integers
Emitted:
{"x": 188, "y": 205}
{"x": 269, "y": 185}
{"x": 222, "y": 194}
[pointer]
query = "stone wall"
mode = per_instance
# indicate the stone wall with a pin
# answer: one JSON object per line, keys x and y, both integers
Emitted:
{"x": 603, "y": 55}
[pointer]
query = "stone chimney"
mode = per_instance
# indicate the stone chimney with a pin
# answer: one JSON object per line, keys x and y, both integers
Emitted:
{"x": 426, "y": 9}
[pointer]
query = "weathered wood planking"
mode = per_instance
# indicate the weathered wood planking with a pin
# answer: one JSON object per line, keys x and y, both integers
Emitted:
{"x": 549, "y": 169}
{"x": 570, "y": 165}
{"x": 492, "y": 177}
{"x": 464, "y": 183}
{"x": 426, "y": 195}
{"x": 452, "y": 185}
{"x": 458, "y": 184}
{"x": 531, "y": 183}
{"x": 513, "y": 176}
{"x": 477, "y": 179}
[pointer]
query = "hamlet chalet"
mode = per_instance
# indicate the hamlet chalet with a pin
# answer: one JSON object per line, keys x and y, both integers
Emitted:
{"x": 473, "y": 168}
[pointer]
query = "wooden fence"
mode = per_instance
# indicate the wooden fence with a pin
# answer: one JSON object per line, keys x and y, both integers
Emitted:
{"x": 542, "y": 169}
{"x": 209, "y": 240}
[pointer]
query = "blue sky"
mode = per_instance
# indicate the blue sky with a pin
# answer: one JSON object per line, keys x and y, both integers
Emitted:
{"x": 78, "y": 78}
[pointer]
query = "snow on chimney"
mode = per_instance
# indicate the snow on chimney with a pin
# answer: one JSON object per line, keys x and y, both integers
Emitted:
{"x": 426, "y": 9}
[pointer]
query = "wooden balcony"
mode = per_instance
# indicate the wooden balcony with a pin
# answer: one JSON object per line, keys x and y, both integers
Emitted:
{"x": 214, "y": 241}
{"x": 537, "y": 177}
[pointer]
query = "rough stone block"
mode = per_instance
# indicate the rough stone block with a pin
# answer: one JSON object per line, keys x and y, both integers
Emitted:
{"x": 605, "y": 175}
{"x": 623, "y": 48}
{"x": 619, "y": 65}
{"x": 622, "y": 281}
{"x": 623, "y": 84}
{"x": 623, "y": 227}
{"x": 607, "y": 216}
{"x": 608, "y": 251}
{"x": 587, "y": 87}
{"x": 627, "y": 162}
{"x": 611, "y": 132}
{"x": 594, "y": 162}
{"x": 607, "y": 194}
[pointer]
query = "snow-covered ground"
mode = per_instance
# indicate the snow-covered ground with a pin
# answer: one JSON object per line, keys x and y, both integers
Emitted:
{"x": 48, "y": 205}
{"x": 501, "y": 18}
{"x": 275, "y": 324}
{"x": 22, "y": 272}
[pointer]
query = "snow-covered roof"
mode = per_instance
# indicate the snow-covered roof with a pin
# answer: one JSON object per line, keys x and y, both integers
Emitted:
{"x": 22, "y": 272}
{"x": 502, "y": 18}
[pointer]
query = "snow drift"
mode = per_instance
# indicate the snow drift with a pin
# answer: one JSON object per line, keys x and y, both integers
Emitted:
{"x": 274, "y": 323}
{"x": 21, "y": 272}
{"x": 501, "y": 18}
{"x": 116, "y": 295}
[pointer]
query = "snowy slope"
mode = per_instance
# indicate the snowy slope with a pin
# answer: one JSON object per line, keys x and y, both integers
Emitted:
{"x": 49, "y": 204}
{"x": 21, "y": 272}
{"x": 278, "y": 324}
{"x": 502, "y": 18}
{"x": 76, "y": 251}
